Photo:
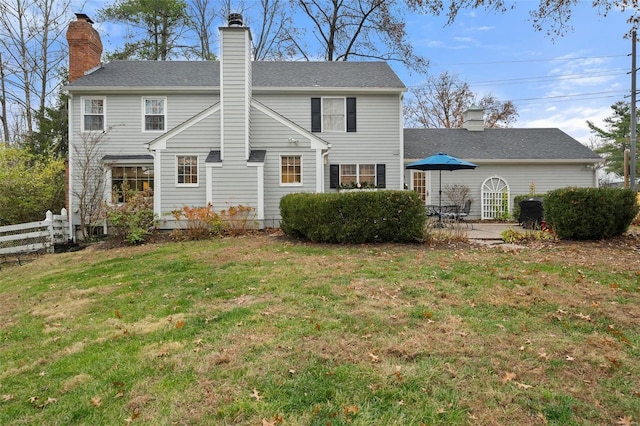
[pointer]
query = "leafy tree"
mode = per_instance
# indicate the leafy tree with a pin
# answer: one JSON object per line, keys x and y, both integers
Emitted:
{"x": 158, "y": 27}
{"x": 29, "y": 186}
{"x": 51, "y": 139}
{"x": 614, "y": 137}
{"x": 442, "y": 101}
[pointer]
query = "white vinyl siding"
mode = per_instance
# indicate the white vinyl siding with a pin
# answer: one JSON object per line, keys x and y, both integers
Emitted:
{"x": 377, "y": 140}
{"x": 519, "y": 177}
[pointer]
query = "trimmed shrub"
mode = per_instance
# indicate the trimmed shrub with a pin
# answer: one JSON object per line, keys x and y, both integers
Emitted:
{"x": 590, "y": 213}
{"x": 354, "y": 217}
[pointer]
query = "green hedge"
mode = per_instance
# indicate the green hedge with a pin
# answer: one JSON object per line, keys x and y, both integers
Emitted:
{"x": 354, "y": 217}
{"x": 590, "y": 213}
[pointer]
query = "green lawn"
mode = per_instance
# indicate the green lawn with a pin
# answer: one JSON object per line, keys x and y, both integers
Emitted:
{"x": 261, "y": 330}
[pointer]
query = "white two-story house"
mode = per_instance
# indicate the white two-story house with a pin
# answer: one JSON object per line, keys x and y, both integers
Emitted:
{"x": 229, "y": 132}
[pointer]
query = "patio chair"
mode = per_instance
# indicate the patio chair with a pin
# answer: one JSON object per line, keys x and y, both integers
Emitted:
{"x": 465, "y": 210}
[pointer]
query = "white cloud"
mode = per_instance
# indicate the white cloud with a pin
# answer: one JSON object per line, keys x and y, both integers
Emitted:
{"x": 571, "y": 120}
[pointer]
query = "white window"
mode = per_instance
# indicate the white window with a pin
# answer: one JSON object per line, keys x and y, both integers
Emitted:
{"x": 93, "y": 114}
{"x": 155, "y": 114}
{"x": 358, "y": 175}
{"x": 128, "y": 179}
{"x": 333, "y": 115}
{"x": 187, "y": 170}
{"x": 420, "y": 184}
{"x": 291, "y": 170}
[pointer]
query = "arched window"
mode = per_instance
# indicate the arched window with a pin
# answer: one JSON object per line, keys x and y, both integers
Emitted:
{"x": 495, "y": 198}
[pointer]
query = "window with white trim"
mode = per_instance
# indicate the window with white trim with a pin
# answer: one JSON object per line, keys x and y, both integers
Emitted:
{"x": 358, "y": 175}
{"x": 155, "y": 114}
{"x": 93, "y": 114}
{"x": 420, "y": 183}
{"x": 129, "y": 179}
{"x": 346, "y": 176}
{"x": 291, "y": 170}
{"x": 187, "y": 170}
{"x": 333, "y": 114}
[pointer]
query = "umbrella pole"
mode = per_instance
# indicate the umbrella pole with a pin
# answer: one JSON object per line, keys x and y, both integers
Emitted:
{"x": 440, "y": 196}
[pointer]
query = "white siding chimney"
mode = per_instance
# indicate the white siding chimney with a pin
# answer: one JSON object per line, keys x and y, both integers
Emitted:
{"x": 235, "y": 89}
{"x": 473, "y": 119}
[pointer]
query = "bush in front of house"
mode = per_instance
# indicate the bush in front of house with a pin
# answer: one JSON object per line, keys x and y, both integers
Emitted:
{"x": 590, "y": 213}
{"x": 354, "y": 217}
{"x": 132, "y": 221}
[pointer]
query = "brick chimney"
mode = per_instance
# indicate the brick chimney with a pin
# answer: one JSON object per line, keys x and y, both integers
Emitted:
{"x": 85, "y": 46}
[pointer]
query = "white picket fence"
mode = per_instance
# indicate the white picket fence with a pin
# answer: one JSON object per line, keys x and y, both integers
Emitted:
{"x": 35, "y": 236}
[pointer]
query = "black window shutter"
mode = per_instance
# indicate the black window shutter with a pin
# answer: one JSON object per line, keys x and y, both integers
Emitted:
{"x": 381, "y": 176}
{"x": 351, "y": 114}
{"x": 316, "y": 115}
{"x": 334, "y": 175}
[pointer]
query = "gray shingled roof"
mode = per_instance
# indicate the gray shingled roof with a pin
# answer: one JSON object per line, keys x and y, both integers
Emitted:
{"x": 265, "y": 74}
{"x": 495, "y": 144}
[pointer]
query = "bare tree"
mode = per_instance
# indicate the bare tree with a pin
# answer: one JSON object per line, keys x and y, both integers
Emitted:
{"x": 30, "y": 38}
{"x": 497, "y": 113}
{"x": 372, "y": 29}
{"x": 4, "y": 113}
{"x": 202, "y": 15}
{"x": 442, "y": 101}
{"x": 439, "y": 103}
{"x": 274, "y": 34}
{"x": 88, "y": 181}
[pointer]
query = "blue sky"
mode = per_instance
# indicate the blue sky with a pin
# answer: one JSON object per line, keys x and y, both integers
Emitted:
{"x": 554, "y": 83}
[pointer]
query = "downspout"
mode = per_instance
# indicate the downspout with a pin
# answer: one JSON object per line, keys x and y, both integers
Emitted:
{"x": 401, "y": 153}
{"x": 157, "y": 204}
{"x": 324, "y": 160}
{"x": 70, "y": 213}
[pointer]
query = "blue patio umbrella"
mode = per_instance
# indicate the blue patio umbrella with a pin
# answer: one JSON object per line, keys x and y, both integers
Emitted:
{"x": 441, "y": 161}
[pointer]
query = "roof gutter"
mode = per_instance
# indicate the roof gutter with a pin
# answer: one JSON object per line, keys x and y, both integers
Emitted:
{"x": 142, "y": 89}
{"x": 524, "y": 160}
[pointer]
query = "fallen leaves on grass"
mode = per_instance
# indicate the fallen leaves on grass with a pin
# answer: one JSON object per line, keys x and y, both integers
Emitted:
{"x": 277, "y": 419}
{"x": 508, "y": 377}
{"x": 256, "y": 395}
{"x": 96, "y": 401}
{"x": 625, "y": 421}
{"x": 351, "y": 410}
